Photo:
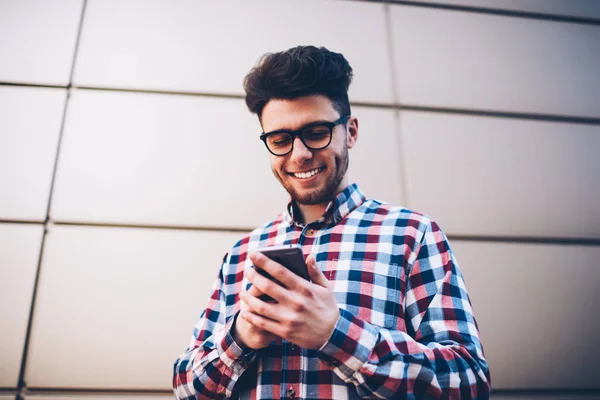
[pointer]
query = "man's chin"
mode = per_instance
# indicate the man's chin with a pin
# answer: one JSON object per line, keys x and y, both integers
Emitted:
{"x": 309, "y": 200}
{"x": 311, "y": 197}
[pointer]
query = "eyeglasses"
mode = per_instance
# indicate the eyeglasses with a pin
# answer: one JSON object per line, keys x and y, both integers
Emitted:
{"x": 315, "y": 136}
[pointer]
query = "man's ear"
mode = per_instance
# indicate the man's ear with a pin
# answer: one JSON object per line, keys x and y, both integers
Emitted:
{"x": 352, "y": 132}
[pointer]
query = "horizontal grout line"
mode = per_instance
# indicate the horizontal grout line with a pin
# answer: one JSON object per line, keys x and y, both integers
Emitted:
{"x": 217, "y": 95}
{"x": 146, "y": 226}
{"x": 487, "y": 113}
{"x": 469, "y": 238}
{"x": 496, "y": 11}
{"x": 563, "y": 241}
{"x": 402, "y": 107}
{"x": 506, "y": 114}
{"x": 385, "y": 106}
{"x": 33, "y": 85}
{"x": 167, "y": 92}
{"x": 92, "y": 391}
{"x": 14, "y": 221}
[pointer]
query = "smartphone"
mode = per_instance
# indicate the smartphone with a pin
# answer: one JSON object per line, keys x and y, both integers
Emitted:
{"x": 290, "y": 256}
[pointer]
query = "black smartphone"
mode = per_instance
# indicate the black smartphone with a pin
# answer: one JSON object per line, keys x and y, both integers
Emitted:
{"x": 290, "y": 256}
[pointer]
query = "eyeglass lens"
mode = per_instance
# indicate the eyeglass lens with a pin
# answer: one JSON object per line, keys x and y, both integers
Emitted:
{"x": 315, "y": 137}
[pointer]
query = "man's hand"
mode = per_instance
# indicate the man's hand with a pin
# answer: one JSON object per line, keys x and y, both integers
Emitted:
{"x": 248, "y": 335}
{"x": 305, "y": 313}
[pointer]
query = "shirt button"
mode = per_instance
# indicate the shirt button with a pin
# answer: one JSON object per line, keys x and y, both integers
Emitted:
{"x": 291, "y": 393}
{"x": 310, "y": 232}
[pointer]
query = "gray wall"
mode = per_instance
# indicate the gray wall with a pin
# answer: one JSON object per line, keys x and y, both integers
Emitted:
{"x": 116, "y": 205}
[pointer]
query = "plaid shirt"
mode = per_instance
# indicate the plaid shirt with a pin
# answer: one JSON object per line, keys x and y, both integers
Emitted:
{"x": 406, "y": 328}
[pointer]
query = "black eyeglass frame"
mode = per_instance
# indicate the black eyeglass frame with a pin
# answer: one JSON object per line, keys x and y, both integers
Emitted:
{"x": 298, "y": 134}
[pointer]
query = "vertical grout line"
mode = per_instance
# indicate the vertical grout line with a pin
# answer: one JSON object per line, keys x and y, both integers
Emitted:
{"x": 396, "y": 102}
{"x": 22, "y": 385}
{"x": 64, "y": 117}
{"x": 76, "y": 51}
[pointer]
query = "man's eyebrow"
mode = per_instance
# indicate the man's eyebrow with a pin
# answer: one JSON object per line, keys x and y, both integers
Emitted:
{"x": 318, "y": 121}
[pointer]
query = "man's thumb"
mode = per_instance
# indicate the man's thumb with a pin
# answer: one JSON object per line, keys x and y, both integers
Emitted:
{"x": 315, "y": 272}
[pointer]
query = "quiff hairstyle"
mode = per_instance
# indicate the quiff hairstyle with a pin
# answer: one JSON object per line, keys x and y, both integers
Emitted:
{"x": 297, "y": 72}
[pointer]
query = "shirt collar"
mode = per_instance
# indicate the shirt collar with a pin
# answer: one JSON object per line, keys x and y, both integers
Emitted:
{"x": 337, "y": 209}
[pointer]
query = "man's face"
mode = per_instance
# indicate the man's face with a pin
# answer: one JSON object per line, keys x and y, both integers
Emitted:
{"x": 310, "y": 176}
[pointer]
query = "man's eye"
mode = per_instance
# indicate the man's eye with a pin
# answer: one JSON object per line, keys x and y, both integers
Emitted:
{"x": 279, "y": 140}
{"x": 316, "y": 132}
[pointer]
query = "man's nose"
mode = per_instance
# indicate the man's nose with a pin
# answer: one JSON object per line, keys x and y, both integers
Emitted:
{"x": 300, "y": 152}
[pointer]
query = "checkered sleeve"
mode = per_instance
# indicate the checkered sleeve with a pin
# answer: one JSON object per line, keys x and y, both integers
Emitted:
{"x": 439, "y": 356}
{"x": 212, "y": 364}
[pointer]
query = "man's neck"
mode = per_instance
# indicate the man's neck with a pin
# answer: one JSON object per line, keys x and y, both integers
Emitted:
{"x": 310, "y": 213}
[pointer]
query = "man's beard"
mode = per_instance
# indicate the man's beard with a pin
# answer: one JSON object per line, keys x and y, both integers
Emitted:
{"x": 328, "y": 191}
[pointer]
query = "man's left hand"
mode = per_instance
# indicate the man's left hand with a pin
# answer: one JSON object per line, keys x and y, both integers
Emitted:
{"x": 305, "y": 313}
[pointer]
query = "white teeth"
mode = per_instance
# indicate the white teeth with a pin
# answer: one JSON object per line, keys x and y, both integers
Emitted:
{"x": 305, "y": 175}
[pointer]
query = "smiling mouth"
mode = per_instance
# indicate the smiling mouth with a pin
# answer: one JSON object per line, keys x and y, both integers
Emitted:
{"x": 307, "y": 174}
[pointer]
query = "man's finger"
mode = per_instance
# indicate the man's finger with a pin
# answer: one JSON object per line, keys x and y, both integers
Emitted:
{"x": 257, "y": 306}
{"x": 254, "y": 291}
{"x": 316, "y": 276}
{"x": 263, "y": 323}
{"x": 265, "y": 285}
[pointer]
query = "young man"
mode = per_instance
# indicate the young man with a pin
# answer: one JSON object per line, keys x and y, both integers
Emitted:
{"x": 386, "y": 313}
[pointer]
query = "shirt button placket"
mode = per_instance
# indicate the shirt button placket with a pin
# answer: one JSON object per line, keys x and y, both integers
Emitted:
{"x": 291, "y": 393}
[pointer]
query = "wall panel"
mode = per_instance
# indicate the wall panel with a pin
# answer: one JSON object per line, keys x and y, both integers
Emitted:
{"x": 375, "y": 159}
{"x": 453, "y": 59}
{"x": 19, "y": 253}
{"x": 164, "y": 159}
{"x": 535, "y": 308}
{"x": 496, "y": 176}
{"x": 30, "y": 120}
{"x": 205, "y": 47}
{"x": 116, "y": 306}
{"x": 38, "y": 40}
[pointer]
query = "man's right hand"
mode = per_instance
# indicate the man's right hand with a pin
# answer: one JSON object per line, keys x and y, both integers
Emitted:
{"x": 248, "y": 335}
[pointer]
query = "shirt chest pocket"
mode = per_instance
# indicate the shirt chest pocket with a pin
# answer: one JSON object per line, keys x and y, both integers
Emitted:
{"x": 371, "y": 290}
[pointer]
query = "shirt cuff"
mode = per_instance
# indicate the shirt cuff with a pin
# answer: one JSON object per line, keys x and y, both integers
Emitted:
{"x": 231, "y": 353}
{"x": 350, "y": 344}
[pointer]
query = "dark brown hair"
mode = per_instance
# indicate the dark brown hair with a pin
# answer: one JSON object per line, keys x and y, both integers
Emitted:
{"x": 296, "y": 72}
